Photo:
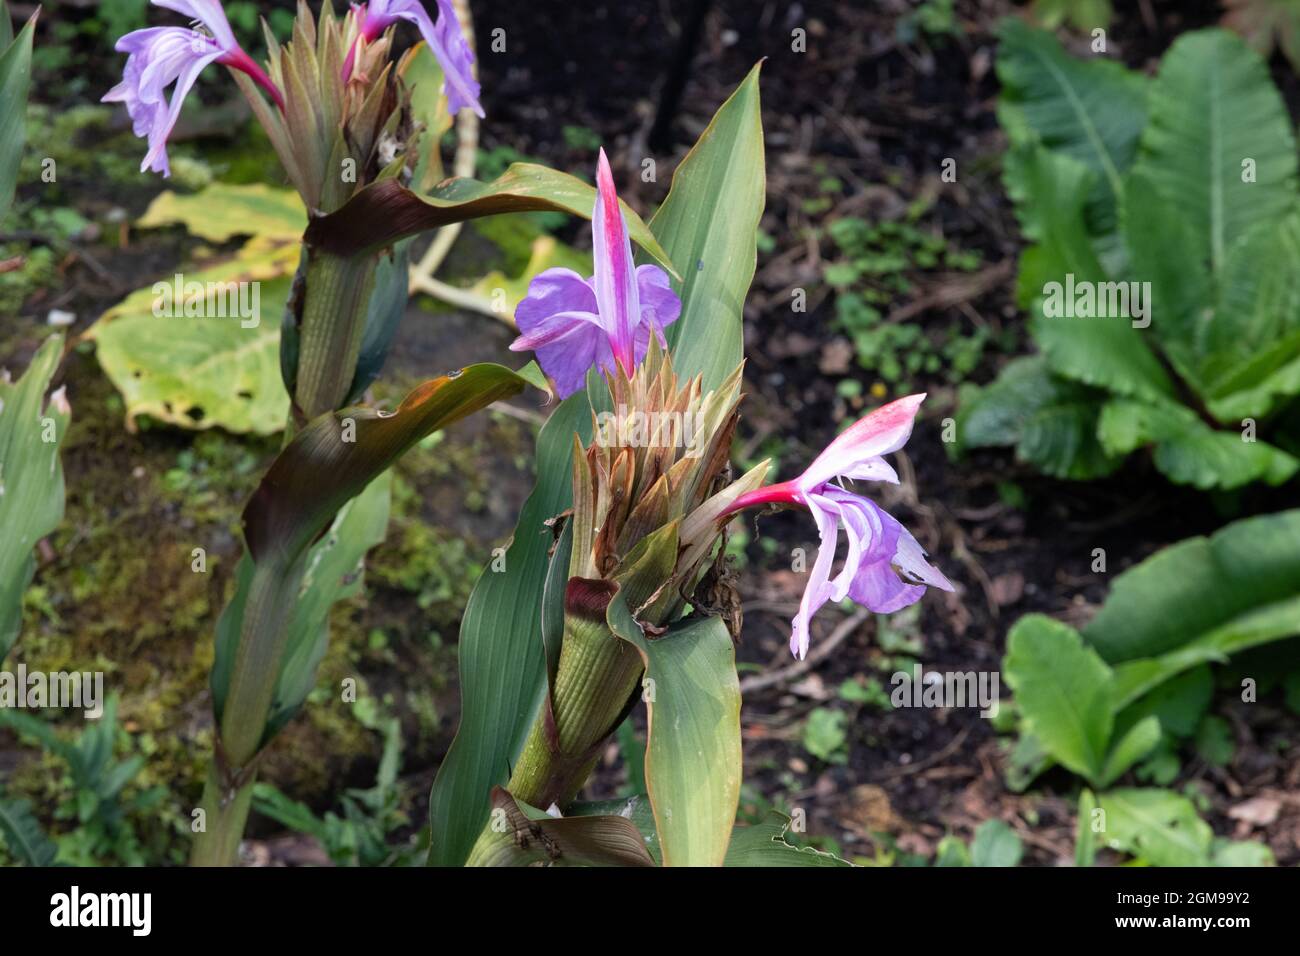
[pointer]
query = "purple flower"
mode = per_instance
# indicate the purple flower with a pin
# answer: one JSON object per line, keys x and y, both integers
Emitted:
{"x": 160, "y": 56}
{"x": 885, "y": 569}
{"x": 444, "y": 37}
{"x": 574, "y": 324}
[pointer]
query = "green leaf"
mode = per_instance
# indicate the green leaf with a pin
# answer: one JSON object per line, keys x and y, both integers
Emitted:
{"x": 333, "y": 458}
{"x": 1180, "y": 596}
{"x": 15, "y": 78}
{"x": 764, "y": 844}
{"x": 1061, "y": 440}
{"x": 1156, "y": 826}
{"x": 1049, "y": 191}
{"x": 693, "y": 753}
{"x": 995, "y": 844}
{"x": 1272, "y": 622}
{"x": 1212, "y": 107}
{"x": 1085, "y": 844}
{"x": 386, "y": 211}
{"x": 1249, "y": 355}
{"x": 1240, "y": 853}
{"x": 31, "y": 477}
{"x": 1140, "y": 740}
{"x": 1064, "y": 692}
{"x": 27, "y": 842}
{"x": 825, "y": 734}
{"x": 1092, "y": 111}
{"x": 1188, "y": 451}
{"x": 220, "y": 211}
{"x": 217, "y": 368}
{"x": 335, "y": 566}
{"x": 502, "y": 662}
{"x": 1051, "y": 420}
{"x": 709, "y": 228}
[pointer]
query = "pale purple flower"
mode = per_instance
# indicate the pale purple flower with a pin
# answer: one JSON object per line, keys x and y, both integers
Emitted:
{"x": 885, "y": 569}
{"x": 160, "y": 56}
{"x": 444, "y": 38}
{"x": 575, "y": 324}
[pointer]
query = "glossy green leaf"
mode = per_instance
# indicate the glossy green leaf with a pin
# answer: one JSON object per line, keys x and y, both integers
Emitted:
{"x": 693, "y": 754}
{"x": 334, "y": 457}
{"x": 1188, "y": 590}
{"x": 15, "y": 78}
{"x": 386, "y": 211}
{"x": 709, "y": 229}
{"x": 31, "y": 477}
{"x": 1092, "y": 111}
{"x": 502, "y": 662}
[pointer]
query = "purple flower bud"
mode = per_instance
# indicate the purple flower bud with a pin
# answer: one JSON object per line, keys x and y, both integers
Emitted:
{"x": 575, "y": 324}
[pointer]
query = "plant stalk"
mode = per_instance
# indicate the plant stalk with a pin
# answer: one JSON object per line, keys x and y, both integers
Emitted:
{"x": 335, "y": 304}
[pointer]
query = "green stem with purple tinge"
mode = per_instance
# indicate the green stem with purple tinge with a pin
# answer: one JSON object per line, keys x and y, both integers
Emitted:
{"x": 594, "y": 681}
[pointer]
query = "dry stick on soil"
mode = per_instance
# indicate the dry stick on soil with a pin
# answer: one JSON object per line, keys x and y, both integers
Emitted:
{"x": 422, "y": 279}
{"x": 822, "y": 650}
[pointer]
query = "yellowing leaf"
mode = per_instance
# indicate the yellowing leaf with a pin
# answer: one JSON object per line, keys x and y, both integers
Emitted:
{"x": 217, "y": 368}
{"x": 221, "y": 210}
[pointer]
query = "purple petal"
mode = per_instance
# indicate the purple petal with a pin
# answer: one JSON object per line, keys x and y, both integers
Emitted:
{"x": 910, "y": 558}
{"x": 557, "y": 320}
{"x": 444, "y": 38}
{"x": 660, "y": 307}
{"x": 616, "y": 281}
{"x": 818, "y": 590}
{"x": 883, "y": 431}
{"x": 207, "y": 12}
{"x": 159, "y": 57}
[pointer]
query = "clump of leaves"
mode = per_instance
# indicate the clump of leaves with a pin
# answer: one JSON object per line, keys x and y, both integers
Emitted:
{"x": 1135, "y": 684}
{"x": 871, "y": 271}
{"x": 1132, "y": 190}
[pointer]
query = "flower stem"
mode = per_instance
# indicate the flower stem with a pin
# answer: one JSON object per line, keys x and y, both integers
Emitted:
{"x": 594, "y": 682}
{"x": 332, "y": 322}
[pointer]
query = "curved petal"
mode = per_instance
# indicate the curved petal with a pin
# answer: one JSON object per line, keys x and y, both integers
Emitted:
{"x": 817, "y": 591}
{"x": 660, "y": 306}
{"x": 156, "y": 158}
{"x": 883, "y": 431}
{"x": 445, "y": 39}
{"x": 208, "y": 12}
{"x": 910, "y": 558}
